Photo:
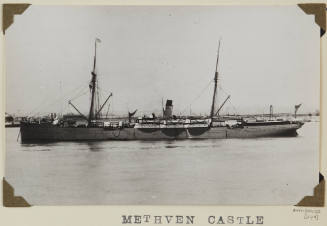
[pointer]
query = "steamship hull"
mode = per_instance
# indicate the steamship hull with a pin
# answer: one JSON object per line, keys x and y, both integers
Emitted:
{"x": 48, "y": 133}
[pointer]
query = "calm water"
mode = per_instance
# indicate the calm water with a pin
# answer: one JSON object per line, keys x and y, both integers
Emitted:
{"x": 272, "y": 171}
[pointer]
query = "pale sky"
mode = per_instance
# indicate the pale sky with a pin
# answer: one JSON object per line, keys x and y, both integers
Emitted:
{"x": 269, "y": 55}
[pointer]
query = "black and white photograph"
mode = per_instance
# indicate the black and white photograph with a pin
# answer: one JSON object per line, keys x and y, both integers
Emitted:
{"x": 162, "y": 105}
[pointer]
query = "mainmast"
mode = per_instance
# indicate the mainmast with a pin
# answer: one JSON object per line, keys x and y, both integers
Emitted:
{"x": 92, "y": 84}
{"x": 212, "y": 112}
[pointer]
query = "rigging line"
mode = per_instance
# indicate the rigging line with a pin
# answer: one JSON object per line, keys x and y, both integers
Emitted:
{"x": 101, "y": 91}
{"x": 234, "y": 108}
{"x": 198, "y": 96}
{"x": 82, "y": 89}
{"x": 66, "y": 106}
{"x": 55, "y": 101}
{"x": 46, "y": 99}
{"x": 101, "y": 94}
{"x": 78, "y": 94}
{"x": 98, "y": 98}
{"x": 37, "y": 108}
{"x": 77, "y": 89}
{"x": 82, "y": 94}
{"x": 223, "y": 90}
{"x": 48, "y": 104}
{"x": 108, "y": 110}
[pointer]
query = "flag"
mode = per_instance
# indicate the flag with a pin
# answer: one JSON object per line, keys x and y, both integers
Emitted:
{"x": 97, "y": 40}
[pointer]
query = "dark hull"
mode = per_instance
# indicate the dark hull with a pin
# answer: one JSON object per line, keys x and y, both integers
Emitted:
{"x": 48, "y": 133}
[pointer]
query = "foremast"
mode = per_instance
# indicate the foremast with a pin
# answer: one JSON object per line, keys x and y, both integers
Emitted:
{"x": 212, "y": 112}
{"x": 93, "y": 85}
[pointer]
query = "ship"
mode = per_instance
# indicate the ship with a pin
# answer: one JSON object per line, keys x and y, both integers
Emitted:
{"x": 93, "y": 127}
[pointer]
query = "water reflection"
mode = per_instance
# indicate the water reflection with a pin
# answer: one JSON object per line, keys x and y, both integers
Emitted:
{"x": 37, "y": 147}
{"x": 95, "y": 146}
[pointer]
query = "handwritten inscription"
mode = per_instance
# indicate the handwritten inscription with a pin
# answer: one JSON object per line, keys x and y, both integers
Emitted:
{"x": 308, "y": 214}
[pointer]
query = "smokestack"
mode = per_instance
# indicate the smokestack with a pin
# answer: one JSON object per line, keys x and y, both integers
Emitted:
{"x": 271, "y": 112}
{"x": 168, "y": 112}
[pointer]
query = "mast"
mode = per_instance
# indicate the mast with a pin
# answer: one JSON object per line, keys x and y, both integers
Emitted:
{"x": 215, "y": 89}
{"x": 92, "y": 84}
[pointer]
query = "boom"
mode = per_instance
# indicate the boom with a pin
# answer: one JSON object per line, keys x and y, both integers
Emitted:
{"x": 69, "y": 102}
{"x": 104, "y": 104}
{"x": 222, "y": 105}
